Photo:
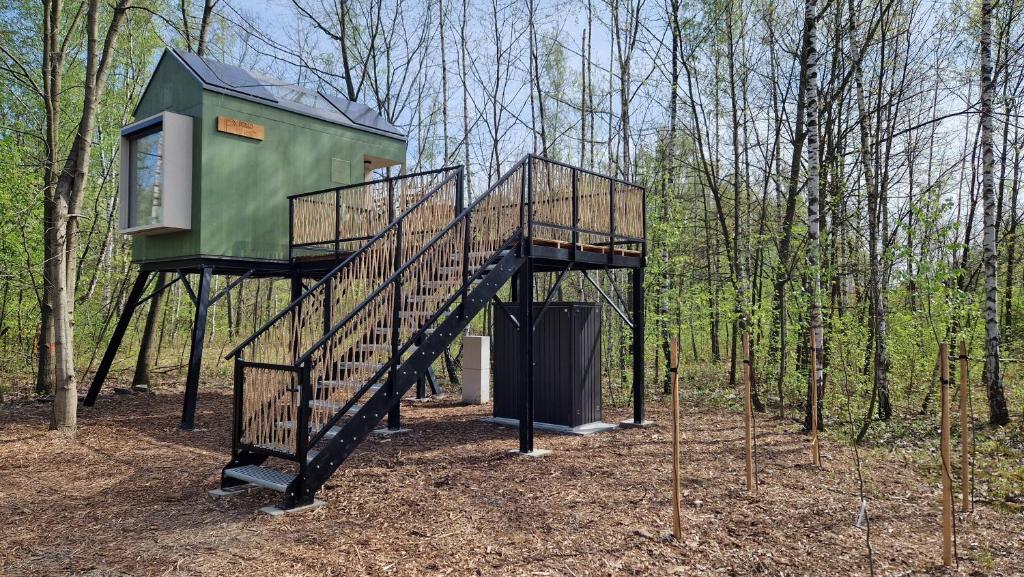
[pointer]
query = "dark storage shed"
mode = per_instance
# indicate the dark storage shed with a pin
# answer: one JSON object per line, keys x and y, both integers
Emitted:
{"x": 567, "y": 377}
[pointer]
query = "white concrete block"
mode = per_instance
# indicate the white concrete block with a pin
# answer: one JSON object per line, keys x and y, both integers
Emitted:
{"x": 476, "y": 353}
{"x": 476, "y": 386}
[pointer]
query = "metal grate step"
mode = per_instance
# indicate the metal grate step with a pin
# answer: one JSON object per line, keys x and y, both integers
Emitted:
{"x": 331, "y": 433}
{"x": 359, "y": 365}
{"x": 331, "y": 405}
{"x": 262, "y": 477}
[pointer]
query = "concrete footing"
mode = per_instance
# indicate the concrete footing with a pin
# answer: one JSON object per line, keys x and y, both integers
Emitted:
{"x": 386, "y": 432}
{"x": 275, "y": 511}
{"x": 534, "y": 453}
{"x": 582, "y": 430}
{"x": 631, "y": 424}
{"x": 219, "y": 493}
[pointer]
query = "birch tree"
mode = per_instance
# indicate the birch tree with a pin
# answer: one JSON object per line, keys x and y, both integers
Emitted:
{"x": 997, "y": 410}
{"x": 810, "y": 97}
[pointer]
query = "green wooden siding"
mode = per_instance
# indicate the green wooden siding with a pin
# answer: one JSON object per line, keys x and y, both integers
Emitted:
{"x": 240, "y": 188}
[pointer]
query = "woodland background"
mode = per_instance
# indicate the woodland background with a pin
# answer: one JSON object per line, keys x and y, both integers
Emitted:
{"x": 698, "y": 101}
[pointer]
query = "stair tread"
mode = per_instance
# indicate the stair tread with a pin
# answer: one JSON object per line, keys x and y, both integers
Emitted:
{"x": 261, "y": 476}
{"x": 327, "y": 404}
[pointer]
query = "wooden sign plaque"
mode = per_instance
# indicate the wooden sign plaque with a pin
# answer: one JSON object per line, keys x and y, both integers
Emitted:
{"x": 240, "y": 127}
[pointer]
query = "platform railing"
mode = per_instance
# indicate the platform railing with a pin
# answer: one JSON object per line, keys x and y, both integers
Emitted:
{"x": 304, "y": 370}
{"x": 578, "y": 209}
{"x": 339, "y": 220}
{"x": 267, "y": 388}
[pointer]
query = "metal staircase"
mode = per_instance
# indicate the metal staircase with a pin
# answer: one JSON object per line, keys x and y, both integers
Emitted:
{"x": 313, "y": 382}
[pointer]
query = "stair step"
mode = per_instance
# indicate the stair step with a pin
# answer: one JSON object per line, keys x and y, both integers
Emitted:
{"x": 326, "y": 404}
{"x": 262, "y": 477}
{"x": 480, "y": 254}
{"x": 352, "y": 385}
{"x": 341, "y": 384}
{"x": 374, "y": 347}
{"x": 331, "y": 433}
{"x": 359, "y": 365}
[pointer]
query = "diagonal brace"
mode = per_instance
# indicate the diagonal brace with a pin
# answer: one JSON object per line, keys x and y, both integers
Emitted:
{"x": 224, "y": 291}
{"x": 551, "y": 294}
{"x": 608, "y": 300}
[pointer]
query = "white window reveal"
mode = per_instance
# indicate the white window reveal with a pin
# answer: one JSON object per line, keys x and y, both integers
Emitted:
{"x": 156, "y": 175}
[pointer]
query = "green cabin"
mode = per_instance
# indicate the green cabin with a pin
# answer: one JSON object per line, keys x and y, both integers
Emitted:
{"x": 215, "y": 151}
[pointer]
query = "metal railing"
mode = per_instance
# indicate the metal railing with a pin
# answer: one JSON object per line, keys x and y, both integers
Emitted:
{"x": 339, "y": 220}
{"x": 304, "y": 370}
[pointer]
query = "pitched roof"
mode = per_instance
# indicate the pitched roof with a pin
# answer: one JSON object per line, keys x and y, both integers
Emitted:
{"x": 216, "y": 76}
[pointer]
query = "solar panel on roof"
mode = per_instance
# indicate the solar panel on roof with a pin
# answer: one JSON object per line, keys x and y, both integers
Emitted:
{"x": 222, "y": 77}
{"x": 361, "y": 114}
{"x": 214, "y": 73}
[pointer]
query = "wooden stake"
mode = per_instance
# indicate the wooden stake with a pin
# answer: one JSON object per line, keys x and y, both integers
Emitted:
{"x": 965, "y": 432}
{"x": 815, "y": 452}
{"x": 677, "y": 529}
{"x": 947, "y": 481}
{"x": 748, "y": 412}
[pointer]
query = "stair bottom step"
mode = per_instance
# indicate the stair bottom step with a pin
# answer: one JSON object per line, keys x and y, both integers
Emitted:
{"x": 261, "y": 477}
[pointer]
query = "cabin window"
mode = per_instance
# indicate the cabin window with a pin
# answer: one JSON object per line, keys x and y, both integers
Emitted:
{"x": 146, "y": 153}
{"x": 156, "y": 175}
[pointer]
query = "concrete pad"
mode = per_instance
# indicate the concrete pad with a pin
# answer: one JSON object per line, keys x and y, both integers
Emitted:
{"x": 386, "y": 432}
{"x": 630, "y": 424}
{"x": 275, "y": 511}
{"x": 534, "y": 453}
{"x": 582, "y": 430}
{"x": 231, "y": 491}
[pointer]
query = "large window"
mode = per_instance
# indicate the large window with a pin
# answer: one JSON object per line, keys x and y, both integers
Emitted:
{"x": 156, "y": 174}
{"x": 145, "y": 198}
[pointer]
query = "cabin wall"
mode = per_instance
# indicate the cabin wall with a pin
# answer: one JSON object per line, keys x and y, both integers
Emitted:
{"x": 245, "y": 182}
{"x": 174, "y": 89}
{"x": 240, "y": 185}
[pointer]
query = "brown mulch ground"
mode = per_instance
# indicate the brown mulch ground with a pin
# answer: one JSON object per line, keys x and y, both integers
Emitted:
{"x": 128, "y": 497}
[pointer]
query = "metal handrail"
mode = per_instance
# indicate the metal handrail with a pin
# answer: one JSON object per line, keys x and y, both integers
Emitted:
{"x": 405, "y": 266}
{"x": 334, "y": 238}
{"x": 394, "y": 281}
{"x": 457, "y": 173}
{"x": 377, "y": 181}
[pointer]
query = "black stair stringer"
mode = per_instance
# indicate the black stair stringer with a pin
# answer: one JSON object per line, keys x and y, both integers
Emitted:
{"x": 313, "y": 476}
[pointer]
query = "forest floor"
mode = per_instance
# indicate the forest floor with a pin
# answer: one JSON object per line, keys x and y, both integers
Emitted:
{"x": 129, "y": 497}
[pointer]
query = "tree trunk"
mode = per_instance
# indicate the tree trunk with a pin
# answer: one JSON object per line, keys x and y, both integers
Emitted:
{"x": 813, "y": 190}
{"x": 998, "y": 413}
{"x": 141, "y": 379}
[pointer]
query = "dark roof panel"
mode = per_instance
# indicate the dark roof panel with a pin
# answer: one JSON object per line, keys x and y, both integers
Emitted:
{"x": 361, "y": 114}
{"x": 220, "y": 77}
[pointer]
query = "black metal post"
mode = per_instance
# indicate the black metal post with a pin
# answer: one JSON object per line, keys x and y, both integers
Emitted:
{"x": 391, "y": 201}
{"x": 302, "y": 428}
{"x": 526, "y": 356}
{"x": 328, "y": 308}
{"x": 529, "y": 205}
{"x": 115, "y": 339}
{"x": 337, "y": 223}
{"x": 236, "y": 408}
{"x": 291, "y": 228}
{"x": 575, "y": 213}
{"x": 611, "y": 220}
{"x": 421, "y": 388}
{"x": 638, "y": 345}
{"x": 395, "y": 412}
{"x": 195, "y": 357}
